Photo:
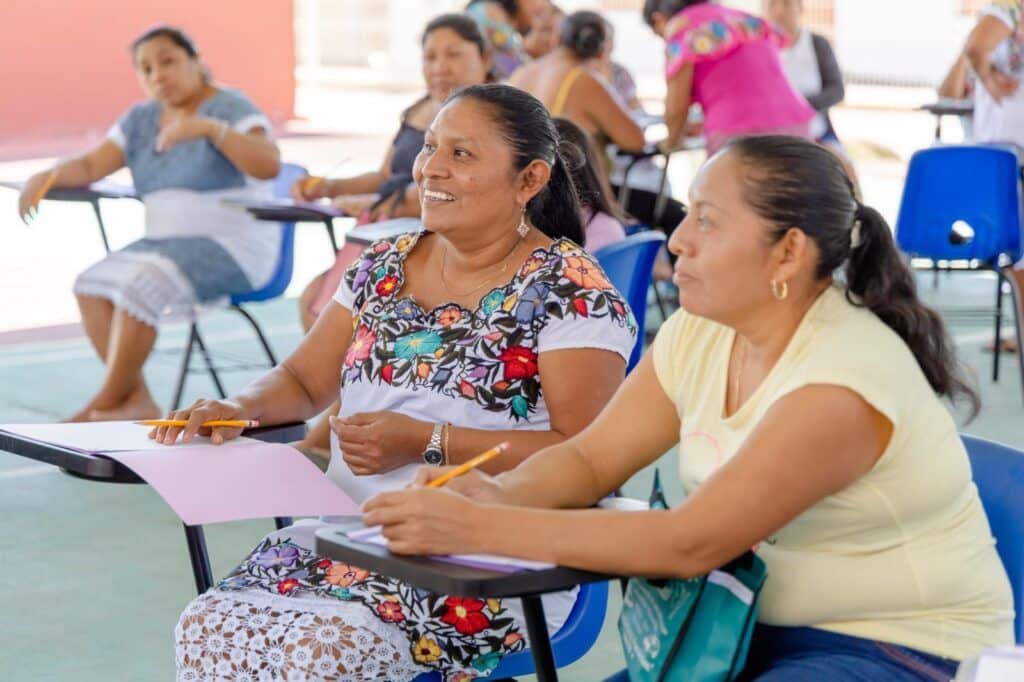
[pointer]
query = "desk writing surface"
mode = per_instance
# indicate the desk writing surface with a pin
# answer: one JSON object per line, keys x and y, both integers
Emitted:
{"x": 448, "y": 578}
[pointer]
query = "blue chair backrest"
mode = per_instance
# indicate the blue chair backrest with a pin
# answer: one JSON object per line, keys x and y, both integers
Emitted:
{"x": 572, "y": 641}
{"x": 290, "y": 172}
{"x": 978, "y": 185}
{"x": 999, "y": 474}
{"x": 629, "y": 265}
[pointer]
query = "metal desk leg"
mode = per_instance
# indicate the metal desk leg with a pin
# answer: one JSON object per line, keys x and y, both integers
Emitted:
{"x": 329, "y": 224}
{"x": 95, "y": 203}
{"x": 540, "y": 644}
{"x": 199, "y": 558}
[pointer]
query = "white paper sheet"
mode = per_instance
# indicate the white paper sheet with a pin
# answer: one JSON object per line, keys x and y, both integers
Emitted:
{"x": 102, "y": 436}
{"x": 213, "y": 483}
{"x": 489, "y": 561}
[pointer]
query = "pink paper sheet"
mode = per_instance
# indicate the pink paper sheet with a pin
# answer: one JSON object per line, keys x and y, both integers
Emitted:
{"x": 213, "y": 483}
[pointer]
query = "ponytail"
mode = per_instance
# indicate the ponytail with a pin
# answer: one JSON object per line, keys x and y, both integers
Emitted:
{"x": 791, "y": 182}
{"x": 878, "y": 279}
{"x": 555, "y": 210}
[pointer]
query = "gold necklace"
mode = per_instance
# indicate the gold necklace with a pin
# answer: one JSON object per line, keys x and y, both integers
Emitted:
{"x": 504, "y": 267}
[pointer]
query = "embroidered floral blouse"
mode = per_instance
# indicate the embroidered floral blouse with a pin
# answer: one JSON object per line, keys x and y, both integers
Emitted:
{"x": 729, "y": 47}
{"x": 471, "y": 368}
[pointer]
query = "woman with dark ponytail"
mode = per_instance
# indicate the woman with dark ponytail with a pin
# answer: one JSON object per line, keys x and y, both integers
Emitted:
{"x": 480, "y": 329}
{"x": 802, "y": 380}
{"x": 568, "y": 82}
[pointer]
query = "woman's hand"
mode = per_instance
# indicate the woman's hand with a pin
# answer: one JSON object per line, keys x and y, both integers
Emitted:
{"x": 28, "y": 200}
{"x": 356, "y": 204}
{"x": 999, "y": 84}
{"x": 378, "y": 442}
{"x": 311, "y": 188}
{"x": 201, "y": 411}
{"x": 474, "y": 484}
{"x": 185, "y": 128}
{"x": 427, "y": 521}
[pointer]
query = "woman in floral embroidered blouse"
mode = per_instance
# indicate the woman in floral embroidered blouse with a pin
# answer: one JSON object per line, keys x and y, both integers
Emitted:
{"x": 492, "y": 323}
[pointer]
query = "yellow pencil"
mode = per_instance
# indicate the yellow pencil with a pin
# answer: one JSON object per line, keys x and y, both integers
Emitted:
{"x": 470, "y": 464}
{"x": 223, "y": 423}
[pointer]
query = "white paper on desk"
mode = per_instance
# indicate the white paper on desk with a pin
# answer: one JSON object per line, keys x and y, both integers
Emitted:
{"x": 489, "y": 561}
{"x": 102, "y": 437}
{"x": 213, "y": 483}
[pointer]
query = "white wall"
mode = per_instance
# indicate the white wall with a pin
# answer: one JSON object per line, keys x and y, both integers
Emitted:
{"x": 902, "y": 40}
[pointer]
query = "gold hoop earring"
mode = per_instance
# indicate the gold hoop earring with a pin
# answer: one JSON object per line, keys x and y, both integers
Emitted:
{"x": 779, "y": 291}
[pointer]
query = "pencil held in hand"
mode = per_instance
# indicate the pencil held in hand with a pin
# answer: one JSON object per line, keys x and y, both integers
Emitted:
{"x": 470, "y": 464}
{"x": 223, "y": 423}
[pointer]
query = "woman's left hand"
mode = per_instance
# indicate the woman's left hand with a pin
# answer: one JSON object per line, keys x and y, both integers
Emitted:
{"x": 378, "y": 442}
{"x": 426, "y": 521}
{"x": 183, "y": 129}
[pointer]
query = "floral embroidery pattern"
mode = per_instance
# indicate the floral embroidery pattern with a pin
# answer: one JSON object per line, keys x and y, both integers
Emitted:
{"x": 488, "y": 355}
{"x": 444, "y": 632}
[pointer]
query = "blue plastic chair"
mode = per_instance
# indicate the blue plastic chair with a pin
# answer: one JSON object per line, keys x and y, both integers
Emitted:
{"x": 290, "y": 172}
{"x": 950, "y": 189}
{"x": 999, "y": 474}
{"x": 572, "y": 641}
{"x": 629, "y": 265}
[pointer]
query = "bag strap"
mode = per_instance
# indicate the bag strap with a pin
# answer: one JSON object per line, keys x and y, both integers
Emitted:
{"x": 681, "y": 634}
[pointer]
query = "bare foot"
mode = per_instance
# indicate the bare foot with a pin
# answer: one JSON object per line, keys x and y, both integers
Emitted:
{"x": 138, "y": 405}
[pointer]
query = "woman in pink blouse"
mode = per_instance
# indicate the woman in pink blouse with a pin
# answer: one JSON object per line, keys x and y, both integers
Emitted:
{"x": 728, "y": 62}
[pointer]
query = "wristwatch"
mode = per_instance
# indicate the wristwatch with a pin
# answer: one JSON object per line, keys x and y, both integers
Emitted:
{"x": 434, "y": 455}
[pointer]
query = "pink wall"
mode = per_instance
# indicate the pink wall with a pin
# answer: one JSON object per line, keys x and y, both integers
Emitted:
{"x": 67, "y": 74}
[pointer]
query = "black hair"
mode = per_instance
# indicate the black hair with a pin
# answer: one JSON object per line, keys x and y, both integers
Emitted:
{"x": 527, "y": 127}
{"x": 792, "y": 182}
{"x": 590, "y": 177}
{"x": 174, "y": 34}
{"x": 463, "y": 25}
{"x": 585, "y": 33}
{"x": 666, "y": 8}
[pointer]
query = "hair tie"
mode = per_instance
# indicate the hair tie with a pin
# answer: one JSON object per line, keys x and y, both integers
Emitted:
{"x": 855, "y": 231}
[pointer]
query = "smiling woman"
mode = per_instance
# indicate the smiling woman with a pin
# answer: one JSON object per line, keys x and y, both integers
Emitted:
{"x": 479, "y": 329}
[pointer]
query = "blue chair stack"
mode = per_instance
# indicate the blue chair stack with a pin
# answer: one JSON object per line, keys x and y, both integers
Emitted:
{"x": 963, "y": 203}
{"x": 628, "y": 265}
{"x": 999, "y": 474}
{"x": 274, "y": 288}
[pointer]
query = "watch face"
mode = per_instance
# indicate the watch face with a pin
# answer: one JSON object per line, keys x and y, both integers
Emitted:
{"x": 434, "y": 457}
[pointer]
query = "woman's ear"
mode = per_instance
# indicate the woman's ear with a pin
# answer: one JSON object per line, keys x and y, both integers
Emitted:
{"x": 791, "y": 253}
{"x": 532, "y": 180}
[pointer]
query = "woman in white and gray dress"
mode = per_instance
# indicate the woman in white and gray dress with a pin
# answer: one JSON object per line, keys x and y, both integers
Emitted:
{"x": 189, "y": 146}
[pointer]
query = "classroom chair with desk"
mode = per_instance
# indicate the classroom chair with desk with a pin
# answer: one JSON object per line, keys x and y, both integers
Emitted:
{"x": 275, "y": 287}
{"x": 963, "y": 203}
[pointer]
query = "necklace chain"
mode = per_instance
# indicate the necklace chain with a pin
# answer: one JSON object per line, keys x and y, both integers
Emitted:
{"x": 504, "y": 267}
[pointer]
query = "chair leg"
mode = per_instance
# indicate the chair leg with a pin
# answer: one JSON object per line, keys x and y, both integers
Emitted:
{"x": 183, "y": 372}
{"x": 209, "y": 363}
{"x": 1016, "y": 300}
{"x": 259, "y": 333}
{"x": 998, "y": 323}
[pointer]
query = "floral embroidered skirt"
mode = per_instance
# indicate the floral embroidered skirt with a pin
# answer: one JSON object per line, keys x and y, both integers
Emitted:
{"x": 287, "y": 613}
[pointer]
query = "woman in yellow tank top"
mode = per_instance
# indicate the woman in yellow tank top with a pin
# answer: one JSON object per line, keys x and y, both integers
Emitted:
{"x": 571, "y": 88}
{"x": 808, "y": 413}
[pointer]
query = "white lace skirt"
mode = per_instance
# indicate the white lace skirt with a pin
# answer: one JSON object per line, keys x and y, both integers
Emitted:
{"x": 287, "y": 613}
